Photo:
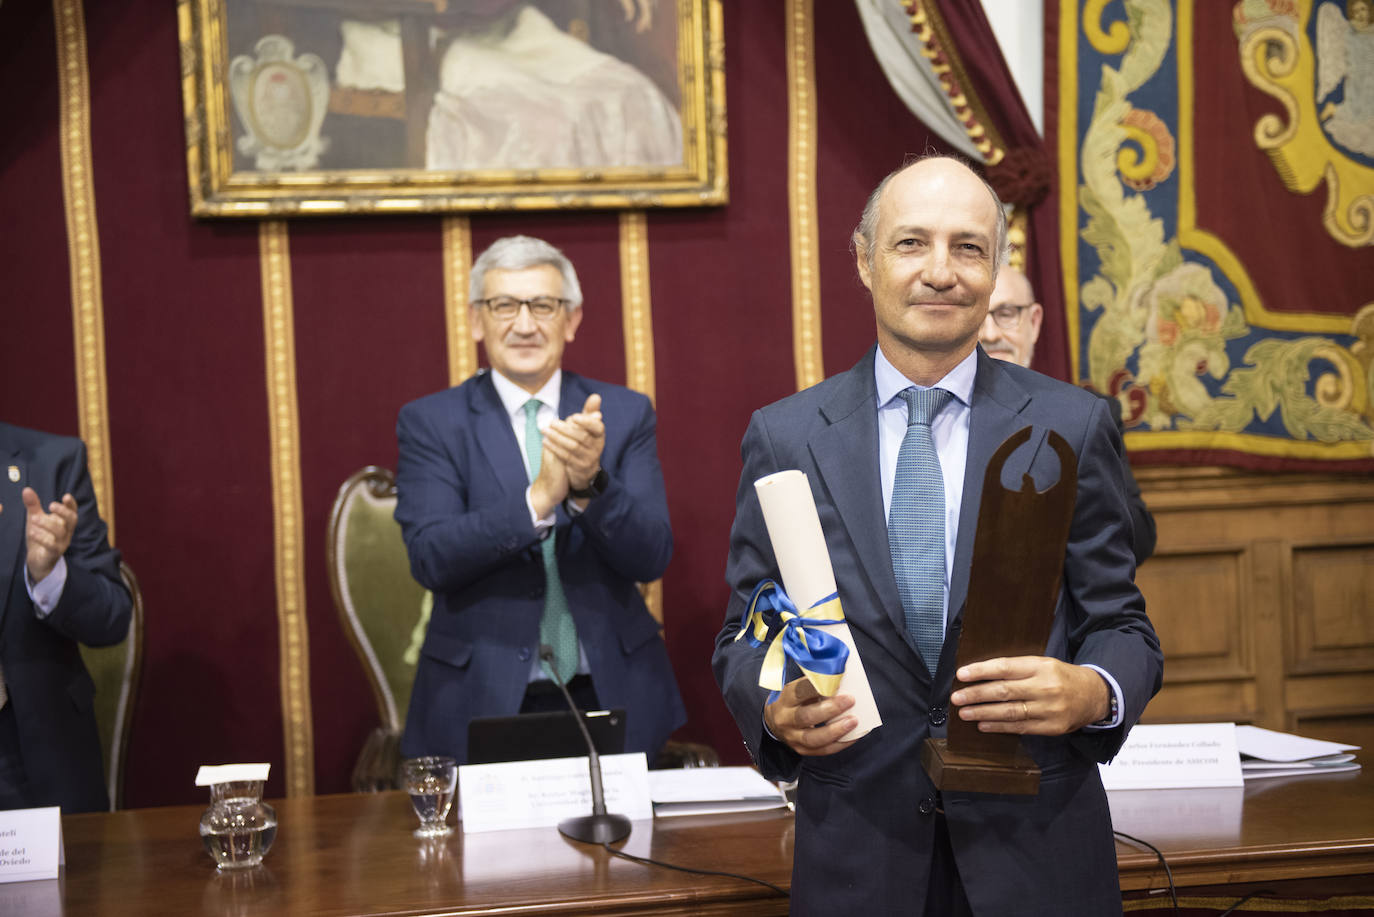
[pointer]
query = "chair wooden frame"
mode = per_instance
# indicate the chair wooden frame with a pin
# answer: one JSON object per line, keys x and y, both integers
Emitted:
{"x": 378, "y": 483}
{"x": 116, "y": 752}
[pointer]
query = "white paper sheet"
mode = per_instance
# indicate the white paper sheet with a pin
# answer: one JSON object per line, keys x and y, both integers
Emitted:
{"x": 1268, "y": 745}
{"x": 1299, "y": 770}
{"x": 702, "y": 784}
{"x": 794, "y": 528}
{"x": 708, "y": 790}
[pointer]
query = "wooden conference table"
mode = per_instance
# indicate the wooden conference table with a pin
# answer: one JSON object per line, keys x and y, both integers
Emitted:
{"x": 354, "y": 855}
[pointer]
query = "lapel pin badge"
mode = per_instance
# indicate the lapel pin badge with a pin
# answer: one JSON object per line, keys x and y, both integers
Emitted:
{"x": 14, "y": 474}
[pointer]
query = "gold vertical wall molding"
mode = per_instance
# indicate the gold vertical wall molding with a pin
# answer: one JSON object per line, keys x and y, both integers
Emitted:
{"x": 636, "y": 313}
{"x": 637, "y": 326}
{"x": 83, "y": 250}
{"x": 279, "y": 344}
{"x": 801, "y": 192}
{"x": 462, "y": 349}
{"x": 1018, "y": 237}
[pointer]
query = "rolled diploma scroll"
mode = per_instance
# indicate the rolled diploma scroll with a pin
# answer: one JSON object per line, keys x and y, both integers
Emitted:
{"x": 794, "y": 528}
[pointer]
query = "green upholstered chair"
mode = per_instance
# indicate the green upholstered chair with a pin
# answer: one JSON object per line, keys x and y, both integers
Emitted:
{"x": 115, "y": 671}
{"x": 383, "y": 611}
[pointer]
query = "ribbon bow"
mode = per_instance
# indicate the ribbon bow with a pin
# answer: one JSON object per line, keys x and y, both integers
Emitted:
{"x": 820, "y": 656}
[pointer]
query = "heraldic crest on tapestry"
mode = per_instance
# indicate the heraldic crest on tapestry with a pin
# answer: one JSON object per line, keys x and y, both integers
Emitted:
{"x": 1162, "y": 314}
{"x": 1321, "y": 67}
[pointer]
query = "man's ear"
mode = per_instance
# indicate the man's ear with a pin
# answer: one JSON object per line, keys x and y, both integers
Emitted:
{"x": 475, "y": 322}
{"x": 570, "y": 326}
{"x": 1036, "y": 314}
{"x": 861, "y": 261}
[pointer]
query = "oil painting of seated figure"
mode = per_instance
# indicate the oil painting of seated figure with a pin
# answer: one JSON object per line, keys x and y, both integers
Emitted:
{"x": 516, "y": 91}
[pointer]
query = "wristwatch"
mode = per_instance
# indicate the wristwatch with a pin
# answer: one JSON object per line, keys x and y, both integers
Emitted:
{"x": 595, "y": 488}
{"x": 1112, "y": 709}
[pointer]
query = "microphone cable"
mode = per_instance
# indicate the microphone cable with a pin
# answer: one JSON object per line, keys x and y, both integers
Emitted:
{"x": 1173, "y": 892}
{"x": 1255, "y": 894}
{"x": 645, "y": 861}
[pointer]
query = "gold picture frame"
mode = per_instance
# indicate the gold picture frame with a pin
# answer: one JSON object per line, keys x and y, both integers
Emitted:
{"x": 292, "y": 106}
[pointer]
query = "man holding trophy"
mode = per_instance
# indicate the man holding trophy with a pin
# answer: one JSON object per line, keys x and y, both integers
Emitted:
{"x": 895, "y": 452}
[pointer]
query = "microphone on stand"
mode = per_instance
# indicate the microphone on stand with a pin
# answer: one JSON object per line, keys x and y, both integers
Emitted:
{"x": 599, "y": 827}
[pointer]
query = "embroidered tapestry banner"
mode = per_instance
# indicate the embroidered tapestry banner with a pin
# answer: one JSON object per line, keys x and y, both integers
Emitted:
{"x": 1217, "y": 210}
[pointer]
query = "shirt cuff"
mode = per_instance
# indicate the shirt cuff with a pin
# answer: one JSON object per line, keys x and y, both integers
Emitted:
{"x": 1118, "y": 706}
{"x": 47, "y": 592}
{"x": 766, "y": 731}
{"x": 541, "y": 526}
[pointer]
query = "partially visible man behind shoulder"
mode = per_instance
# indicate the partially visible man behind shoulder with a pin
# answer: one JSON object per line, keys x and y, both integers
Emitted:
{"x": 60, "y": 584}
{"x": 1009, "y": 333}
{"x": 532, "y": 504}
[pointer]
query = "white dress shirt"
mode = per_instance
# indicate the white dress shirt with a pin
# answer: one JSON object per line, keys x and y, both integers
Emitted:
{"x": 47, "y": 592}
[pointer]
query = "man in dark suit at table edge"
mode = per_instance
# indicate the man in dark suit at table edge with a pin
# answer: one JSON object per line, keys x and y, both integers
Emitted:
{"x": 873, "y": 835}
{"x": 532, "y": 504}
{"x": 61, "y": 587}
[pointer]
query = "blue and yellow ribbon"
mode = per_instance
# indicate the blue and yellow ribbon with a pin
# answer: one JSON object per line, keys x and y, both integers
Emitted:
{"x": 820, "y": 656}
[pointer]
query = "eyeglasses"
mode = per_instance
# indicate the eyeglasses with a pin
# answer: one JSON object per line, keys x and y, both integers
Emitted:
{"x": 1007, "y": 317}
{"x": 505, "y": 307}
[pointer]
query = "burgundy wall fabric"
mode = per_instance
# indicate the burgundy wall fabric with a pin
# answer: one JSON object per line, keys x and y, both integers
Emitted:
{"x": 189, "y": 435}
{"x": 1295, "y": 264}
{"x": 188, "y": 424}
{"x": 35, "y": 311}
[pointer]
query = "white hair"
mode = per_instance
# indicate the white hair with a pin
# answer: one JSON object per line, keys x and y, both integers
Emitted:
{"x": 516, "y": 253}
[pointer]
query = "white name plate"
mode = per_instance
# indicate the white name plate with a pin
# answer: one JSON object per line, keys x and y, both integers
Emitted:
{"x": 540, "y": 794}
{"x": 1175, "y": 756}
{"x": 30, "y": 844}
{"x": 211, "y": 774}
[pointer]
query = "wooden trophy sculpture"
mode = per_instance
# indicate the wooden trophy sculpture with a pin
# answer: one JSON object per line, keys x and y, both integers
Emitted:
{"x": 1018, "y": 560}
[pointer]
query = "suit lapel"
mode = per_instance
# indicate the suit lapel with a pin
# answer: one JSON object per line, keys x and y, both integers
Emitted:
{"x": 572, "y": 394}
{"x": 491, "y": 428}
{"x": 997, "y": 400}
{"x": 846, "y": 455}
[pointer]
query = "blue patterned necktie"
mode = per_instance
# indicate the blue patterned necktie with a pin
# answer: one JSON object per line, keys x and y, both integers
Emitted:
{"x": 556, "y": 628}
{"x": 916, "y": 524}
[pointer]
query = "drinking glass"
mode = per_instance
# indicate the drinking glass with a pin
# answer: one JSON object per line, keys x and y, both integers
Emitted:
{"x": 238, "y": 828}
{"x": 430, "y": 781}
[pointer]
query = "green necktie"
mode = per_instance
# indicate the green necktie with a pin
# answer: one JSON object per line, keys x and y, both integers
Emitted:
{"x": 556, "y": 629}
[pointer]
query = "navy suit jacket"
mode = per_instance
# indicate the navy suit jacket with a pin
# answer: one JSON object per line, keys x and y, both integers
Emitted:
{"x": 48, "y": 684}
{"x": 461, "y": 485}
{"x": 864, "y": 815}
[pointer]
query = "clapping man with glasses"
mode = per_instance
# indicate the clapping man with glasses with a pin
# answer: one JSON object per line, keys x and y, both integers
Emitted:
{"x": 532, "y": 504}
{"x": 1009, "y": 332}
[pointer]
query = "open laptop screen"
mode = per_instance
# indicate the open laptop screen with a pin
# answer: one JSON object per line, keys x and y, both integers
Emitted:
{"x": 528, "y": 736}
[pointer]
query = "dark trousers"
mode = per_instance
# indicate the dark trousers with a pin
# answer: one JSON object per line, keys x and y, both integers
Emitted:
{"x": 945, "y": 897}
{"x": 14, "y": 782}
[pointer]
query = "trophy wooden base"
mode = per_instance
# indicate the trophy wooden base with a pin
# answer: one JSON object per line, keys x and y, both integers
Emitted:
{"x": 964, "y": 772}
